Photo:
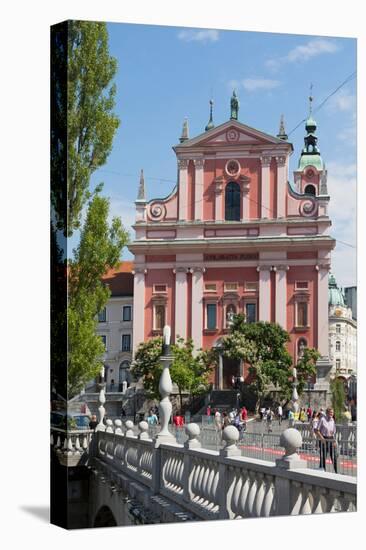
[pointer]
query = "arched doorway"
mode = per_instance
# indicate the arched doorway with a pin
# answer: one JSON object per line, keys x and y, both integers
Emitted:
{"x": 104, "y": 518}
{"x": 231, "y": 368}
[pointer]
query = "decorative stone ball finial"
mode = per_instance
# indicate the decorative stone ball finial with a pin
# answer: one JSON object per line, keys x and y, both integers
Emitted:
{"x": 230, "y": 435}
{"x": 144, "y": 429}
{"x": 193, "y": 431}
{"x": 129, "y": 426}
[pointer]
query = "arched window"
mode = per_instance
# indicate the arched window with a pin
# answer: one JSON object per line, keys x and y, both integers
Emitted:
{"x": 232, "y": 202}
{"x": 230, "y": 312}
{"x": 310, "y": 190}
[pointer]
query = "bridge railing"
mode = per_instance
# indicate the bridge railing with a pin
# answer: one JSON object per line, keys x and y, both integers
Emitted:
{"x": 70, "y": 446}
{"x": 212, "y": 484}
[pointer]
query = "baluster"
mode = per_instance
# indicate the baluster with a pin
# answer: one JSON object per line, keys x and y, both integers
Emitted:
{"x": 238, "y": 484}
{"x": 58, "y": 442}
{"x": 205, "y": 499}
{"x": 77, "y": 444}
{"x": 85, "y": 442}
{"x": 332, "y": 501}
{"x": 144, "y": 430}
{"x": 306, "y": 498}
{"x": 259, "y": 497}
{"x": 242, "y": 504}
{"x": 51, "y": 440}
{"x": 319, "y": 506}
{"x": 210, "y": 483}
{"x": 70, "y": 448}
{"x": 118, "y": 427}
{"x": 268, "y": 497}
{"x": 296, "y": 498}
{"x": 252, "y": 493}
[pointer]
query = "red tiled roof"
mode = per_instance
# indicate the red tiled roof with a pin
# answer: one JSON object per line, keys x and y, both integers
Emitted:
{"x": 120, "y": 279}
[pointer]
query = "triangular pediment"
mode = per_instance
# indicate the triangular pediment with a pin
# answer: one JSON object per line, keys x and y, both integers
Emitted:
{"x": 231, "y": 133}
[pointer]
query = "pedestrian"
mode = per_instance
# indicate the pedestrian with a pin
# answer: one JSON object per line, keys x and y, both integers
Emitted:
{"x": 225, "y": 420}
{"x": 244, "y": 417}
{"x": 217, "y": 420}
{"x": 269, "y": 418}
{"x": 233, "y": 381}
{"x": 279, "y": 414}
{"x": 309, "y": 413}
{"x": 93, "y": 422}
{"x": 123, "y": 412}
{"x": 302, "y": 415}
{"x": 291, "y": 418}
{"x": 326, "y": 431}
{"x": 152, "y": 419}
{"x": 208, "y": 410}
{"x": 261, "y": 412}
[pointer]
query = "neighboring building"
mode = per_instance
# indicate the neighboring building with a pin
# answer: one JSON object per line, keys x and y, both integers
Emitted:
{"x": 115, "y": 327}
{"x": 350, "y": 296}
{"x": 235, "y": 236}
{"x": 342, "y": 334}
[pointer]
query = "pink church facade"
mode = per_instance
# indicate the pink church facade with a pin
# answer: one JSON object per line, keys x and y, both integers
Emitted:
{"x": 235, "y": 236}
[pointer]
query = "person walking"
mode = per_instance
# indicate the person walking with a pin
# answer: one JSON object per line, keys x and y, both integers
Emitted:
{"x": 309, "y": 413}
{"x": 279, "y": 414}
{"x": 217, "y": 420}
{"x": 269, "y": 418}
{"x": 326, "y": 431}
{"x": 93, "y": 422}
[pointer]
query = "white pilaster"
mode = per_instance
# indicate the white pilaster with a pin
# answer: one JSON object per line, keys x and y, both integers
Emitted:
{"x": 221, "y": 372}
{"x": 183, "y": 188}
{"x": 323, "y": 324}
{"x": 138, "y": 307}
{"x": 244, "y": 182}
{"x": 281, "y": 187}
{"x": 181, "y": 302}
{"x": 198, "y": 195}
{"x": 264, "y": 292}
{"x": 219, "y": 181}
{"x": 265, "y": 210}
{"x": 281, "y": 295}
{"x": 197, "y": 308}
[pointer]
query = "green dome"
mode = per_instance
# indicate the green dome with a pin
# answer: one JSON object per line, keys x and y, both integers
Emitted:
{"x": 310, "y": 125}
{"x": 335, "y": 295}
{"x": 310, "y": 160}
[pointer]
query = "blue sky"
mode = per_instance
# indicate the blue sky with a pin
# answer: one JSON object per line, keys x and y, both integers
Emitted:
{"x": 168, "y": 73}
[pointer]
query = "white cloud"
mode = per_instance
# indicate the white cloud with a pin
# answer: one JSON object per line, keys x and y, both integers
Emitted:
{"x": 343, "y": 100}
{"x": 254, "y": 84}
{"x": 304, "y": 52}
{"x": 343, "y": 213}
{"x": 199, "y": 35}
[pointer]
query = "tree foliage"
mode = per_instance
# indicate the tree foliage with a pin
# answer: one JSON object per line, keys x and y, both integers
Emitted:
{"x": 99, "y": 249}
{"x": 91, "y": 123}
{"x": 188, "y": 371}
{"x": 262, "y": 346}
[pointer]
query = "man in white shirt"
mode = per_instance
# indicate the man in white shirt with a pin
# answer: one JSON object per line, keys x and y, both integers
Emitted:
{"x": 325, "y": 431}
{"x": 279, "y": 413}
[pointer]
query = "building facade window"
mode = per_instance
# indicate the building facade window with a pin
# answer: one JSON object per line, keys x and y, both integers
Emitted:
{"x": 210, "y": 287}
{"x": 251, "y": 286}
{"x": 104, "y": 340}
{"x": 232, "y": 202}
{"x": 230, "y": 287}
{"x": 160, "y": 289}
{"x": 301, "y": 285}
{"x": 211, "y": 316}
{"x": 338, "y": 364}
{"x": 102, "y": 315}
{"x": 310, "y": 189}
{"x": 126, "y": 313}
{"x": 302, "y": 314}
{"x": 250, "y": 312}
{"x": 126, "y": 342}
{"x": 338, "y": 328}
{"x": 338, "y": 345}
{"x": 159, "y": 317}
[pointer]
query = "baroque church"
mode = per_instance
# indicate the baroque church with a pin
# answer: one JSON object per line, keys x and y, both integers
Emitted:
{"x": 235, "y": 235}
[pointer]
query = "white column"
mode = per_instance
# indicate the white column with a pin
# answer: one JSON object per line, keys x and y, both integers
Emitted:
{"x": 197, "y": 308}
{"x": 281, "y": 187}
{"x": 183, "y": 188}
{"x": 281, "y": 295}
{"x": 219, "y": 181}
{"x": 221, "y": 372}
{"x": 265, "y": 210}
{"x": 245, "y": 204}
{"x": 323, "y": 324}
{"x": 198, "y": 186}
{"x": 138, "y": 307}
{"x": 181, "y": 302}
{"x": 264, "y": 292}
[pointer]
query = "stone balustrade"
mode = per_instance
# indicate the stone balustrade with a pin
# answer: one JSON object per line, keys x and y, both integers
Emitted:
{"x": 206, "y": 484}
{"x": 71, "y": 446}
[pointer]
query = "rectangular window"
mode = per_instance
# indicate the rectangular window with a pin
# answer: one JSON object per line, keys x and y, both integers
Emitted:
{"x": 338, "y": 364}
{"x": 301, "y": 285}
{"x": 211, "y": 316}
{"x": 102, "y": 315}
{"x": 338, "y": 329}
{"x": 338, "y": 346}
{"x": 160, "y": 289}
{"x": 159, "y": 317}
{"x": 126, "y": 342}
{"x": 104, "y": 340}
{"x": 251, "y": 286}
{"x": 210, "y": 287}
{"x": 250, "y": 313}
{"x": 302, "y": 314}
{"x": 126, "y": 313}
{"x": 230, "y": 287}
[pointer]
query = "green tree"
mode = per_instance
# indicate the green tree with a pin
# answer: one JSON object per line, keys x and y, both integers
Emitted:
{"x": 99, "y": 249}
{"x": 262, "y": 346}
{"x": 188, "y": 371}
{"x": 91, "y": 123}
{"x": 338, "y": 398}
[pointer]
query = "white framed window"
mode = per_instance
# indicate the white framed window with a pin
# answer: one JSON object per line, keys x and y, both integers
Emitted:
{"x": 159, "y": 316}
{"x": 211, "y": 316}
{"x": 301, "y": 285}
{"x": 126, "y": 313}
{"x": 251, "y": 286}
{"x": 302, "y": 314}
{"x": 230, "y": 287}
{"x": 160, "y": 289}
{"x": 338, "y": 364}
{"x": 338, "y": 328}
{"x": 338, "y": 345}
{"x": 250, "y": 312}
{"x": 104, "y": 340}
{"x": 210, "y": 287}
{"x": 126, "y": 342}
{"x": 102, "y": 315}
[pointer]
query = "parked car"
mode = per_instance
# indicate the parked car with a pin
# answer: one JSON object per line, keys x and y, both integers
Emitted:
{"x": 64, "y": 420}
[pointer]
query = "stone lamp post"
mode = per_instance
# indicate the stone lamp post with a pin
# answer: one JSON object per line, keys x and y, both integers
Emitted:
{"x": 165, "y": 389}
{"x": 100, "y": 426}
{"x": 295, "y": 396}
